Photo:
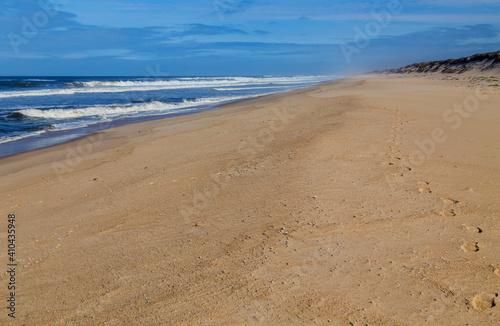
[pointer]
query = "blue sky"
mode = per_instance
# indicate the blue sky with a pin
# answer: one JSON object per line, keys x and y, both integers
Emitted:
{"x": 238, "y": 37}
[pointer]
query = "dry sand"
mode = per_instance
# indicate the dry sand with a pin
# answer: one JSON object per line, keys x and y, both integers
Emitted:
{"x": 364, "y": 201}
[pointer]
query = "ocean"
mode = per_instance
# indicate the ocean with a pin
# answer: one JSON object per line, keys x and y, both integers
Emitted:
{"x": 36, "y": 112}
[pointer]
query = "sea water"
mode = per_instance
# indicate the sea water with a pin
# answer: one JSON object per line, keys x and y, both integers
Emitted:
{"x": 41, "y": 111}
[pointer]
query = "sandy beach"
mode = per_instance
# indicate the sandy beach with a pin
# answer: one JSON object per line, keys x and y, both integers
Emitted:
{"x": 372, "y": 200}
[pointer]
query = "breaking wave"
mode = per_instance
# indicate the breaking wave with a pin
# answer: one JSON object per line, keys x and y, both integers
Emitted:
{"x": 152, "y": 85}
{"x": 117, "y": 110}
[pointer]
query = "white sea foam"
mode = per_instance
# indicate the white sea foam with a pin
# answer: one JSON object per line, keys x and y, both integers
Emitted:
{"x": 75, "y": 124}
{"x": 43, "y": 92}
{"x": 178, "y": 83}
{"x": 242, "y": 88}
{"x": 8, "y": 139}
{"x": 104, "y": 112}
{"x": 36, "y": 79}
{"x": 201, "y": 82}
{"x": 107, "y": 113}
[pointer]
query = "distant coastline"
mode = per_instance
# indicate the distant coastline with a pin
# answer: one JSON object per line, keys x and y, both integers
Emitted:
{"x": 477, "y": 63}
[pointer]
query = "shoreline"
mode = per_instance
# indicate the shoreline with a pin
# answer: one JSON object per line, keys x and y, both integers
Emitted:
{"x": 365, "y": 200}
{"x": 67, "y": 150}
{"x": 58, "y": 137}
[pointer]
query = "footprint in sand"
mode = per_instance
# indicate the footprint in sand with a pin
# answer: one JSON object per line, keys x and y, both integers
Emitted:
{"x": 448, "y": 213}
{"x": 496, "y": 269}
{"x": 473, "y": 229}
{"x": 449, "y": 201}
{"x": 424, "y": 190}
{"x": 470, "y": 246}
{"x": 485, "y": 300}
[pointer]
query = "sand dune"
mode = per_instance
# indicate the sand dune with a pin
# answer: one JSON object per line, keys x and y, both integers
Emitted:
{"x": 366, "y": 201}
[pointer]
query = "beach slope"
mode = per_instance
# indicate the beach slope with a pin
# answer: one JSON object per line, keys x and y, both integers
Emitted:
{"x": 366, "y": 201}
